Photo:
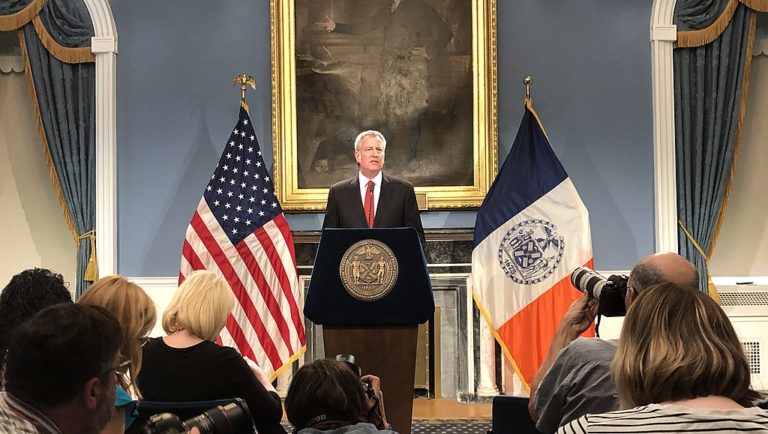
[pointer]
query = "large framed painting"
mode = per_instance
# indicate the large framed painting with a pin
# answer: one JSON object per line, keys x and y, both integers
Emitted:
{"x": 423, "y": 72}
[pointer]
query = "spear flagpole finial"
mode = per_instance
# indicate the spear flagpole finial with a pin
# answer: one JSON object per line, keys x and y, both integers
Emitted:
{"x": 528, "y": 81}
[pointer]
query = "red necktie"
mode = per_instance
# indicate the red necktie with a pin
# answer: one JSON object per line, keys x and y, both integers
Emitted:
{"x": 368, "y": 205}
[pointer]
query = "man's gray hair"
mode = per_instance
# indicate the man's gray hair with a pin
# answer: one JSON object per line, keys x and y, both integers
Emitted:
{"x": 644, "y": 275}
{"x": 367, "y": 133}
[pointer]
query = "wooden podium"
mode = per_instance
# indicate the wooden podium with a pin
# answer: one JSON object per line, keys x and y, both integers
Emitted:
{"x": 379, "y": 329}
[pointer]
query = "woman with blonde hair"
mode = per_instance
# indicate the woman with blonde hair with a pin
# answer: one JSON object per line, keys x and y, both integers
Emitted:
{"x": 679, "y": 368}
{"x": 135, "y": 312}
{"x": 187, "y": 365}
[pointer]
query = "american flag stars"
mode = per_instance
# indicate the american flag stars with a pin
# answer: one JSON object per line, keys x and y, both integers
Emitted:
{"x": 243, "y": 170}
{"x": 239, "y": 213}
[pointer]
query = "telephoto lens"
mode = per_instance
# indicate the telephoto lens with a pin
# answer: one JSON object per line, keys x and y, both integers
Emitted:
{"x": 232, "y": 418}
{"x": 589, "y": 281}
{"x": 608, "y": 292}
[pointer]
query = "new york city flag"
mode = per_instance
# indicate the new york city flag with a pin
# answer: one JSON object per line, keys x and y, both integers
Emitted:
{"x": 531, "y": 232}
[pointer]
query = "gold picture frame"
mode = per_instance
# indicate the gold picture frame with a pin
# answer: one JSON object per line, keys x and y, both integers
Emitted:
{"x": 444, "y": 128}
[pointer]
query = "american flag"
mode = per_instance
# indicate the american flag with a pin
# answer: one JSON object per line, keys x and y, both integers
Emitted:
{"x": 239, "y": 232}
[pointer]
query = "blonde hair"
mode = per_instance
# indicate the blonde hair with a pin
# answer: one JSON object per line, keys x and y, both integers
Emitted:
{"x": 200, "y": 306}
{"x": 135, "y": 312}
{"x": 676, "y": 344}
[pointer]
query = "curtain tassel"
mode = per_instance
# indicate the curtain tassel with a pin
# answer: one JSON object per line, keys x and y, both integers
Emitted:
{"x": 711, "y": 289}
{"x": 92, "y": 269}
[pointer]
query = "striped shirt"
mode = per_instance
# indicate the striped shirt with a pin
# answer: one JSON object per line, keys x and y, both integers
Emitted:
{"x": 657, "y": 418}
{"x": 17, "y": 417}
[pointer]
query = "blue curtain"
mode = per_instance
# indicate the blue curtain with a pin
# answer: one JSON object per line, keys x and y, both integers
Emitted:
{"x": 710, "y": 84}
{"x": 65, "y": 97}
{"x": 8, "y": 7}
{"x": 697, "y": 14}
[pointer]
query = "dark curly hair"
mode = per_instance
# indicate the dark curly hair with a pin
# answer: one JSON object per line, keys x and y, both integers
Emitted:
{"x": 26, "y": 294}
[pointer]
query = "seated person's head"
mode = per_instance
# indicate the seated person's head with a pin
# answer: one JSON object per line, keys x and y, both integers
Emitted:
{"x": 200, "y": 306}
{"x": 26, "y": 294}
{"x": 62, "y": 361}
{"x": 660, "y": 268}
{"x": 677, "y": 344}
{"x": 325, "y": 391}
{"x": 132, "y": 308}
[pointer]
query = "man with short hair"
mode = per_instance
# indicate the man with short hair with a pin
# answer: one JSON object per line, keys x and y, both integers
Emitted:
{"x": 372, "y": 199}
{"x": 60, "y": 372}
{"x": 575, "y": 377}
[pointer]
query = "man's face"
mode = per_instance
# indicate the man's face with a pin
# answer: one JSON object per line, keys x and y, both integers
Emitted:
{"x": 105, "y": 410}
{"x": 370, "y": 157}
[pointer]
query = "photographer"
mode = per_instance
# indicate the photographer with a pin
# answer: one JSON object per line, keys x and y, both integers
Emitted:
{"x": 575, "y": 377}
{"x": 326, "y": 396}
{"x": 679, "y": 368}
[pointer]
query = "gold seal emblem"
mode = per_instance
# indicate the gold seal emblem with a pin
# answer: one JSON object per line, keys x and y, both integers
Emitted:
{"x": 368, "y": 270}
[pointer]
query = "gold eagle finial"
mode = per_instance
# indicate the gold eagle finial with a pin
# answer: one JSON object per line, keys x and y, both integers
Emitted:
{"x": 244, "y": 81}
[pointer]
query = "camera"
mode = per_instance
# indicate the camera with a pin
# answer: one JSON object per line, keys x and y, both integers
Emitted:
{"x": 233, "y": 418}
{"x": 608, "y": 292}
{"x": 349, "y": 360}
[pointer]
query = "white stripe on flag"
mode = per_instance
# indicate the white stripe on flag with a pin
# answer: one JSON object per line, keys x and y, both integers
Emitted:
{"x": 227, "y": 339}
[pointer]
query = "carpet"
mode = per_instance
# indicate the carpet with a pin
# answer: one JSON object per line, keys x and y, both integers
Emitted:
{"x": 445, "y": 426}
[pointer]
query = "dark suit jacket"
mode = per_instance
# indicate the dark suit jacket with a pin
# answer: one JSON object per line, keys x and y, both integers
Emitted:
{"x": 397, "y": 206}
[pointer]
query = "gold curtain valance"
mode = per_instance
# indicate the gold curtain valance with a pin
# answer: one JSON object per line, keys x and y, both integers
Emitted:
{"x": 707, "y": 35}
{"x": 18, "y": 19}
{"x": 64, "y": 54}
{"x": 31, "y": 13}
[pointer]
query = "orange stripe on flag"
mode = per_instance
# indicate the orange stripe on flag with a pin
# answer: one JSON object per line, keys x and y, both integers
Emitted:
{"x": 528, "y": 335}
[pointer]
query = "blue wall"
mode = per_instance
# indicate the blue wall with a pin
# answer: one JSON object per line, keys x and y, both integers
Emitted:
{"x": 592, "y": 89}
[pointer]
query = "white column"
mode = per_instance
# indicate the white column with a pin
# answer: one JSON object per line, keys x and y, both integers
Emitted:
{"x": 104, "y": 46}
{"x": 663, "y": 36}
{"x": 487, "y": 383}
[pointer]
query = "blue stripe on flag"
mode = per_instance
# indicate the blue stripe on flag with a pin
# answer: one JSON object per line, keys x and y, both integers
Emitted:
{"x": 530, "y": 171}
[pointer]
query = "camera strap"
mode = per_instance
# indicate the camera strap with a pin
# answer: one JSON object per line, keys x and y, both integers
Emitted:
{"x": 326, "y": 421}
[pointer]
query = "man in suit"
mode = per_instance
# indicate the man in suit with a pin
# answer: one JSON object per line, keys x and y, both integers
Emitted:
{"x": 372, "y": 199}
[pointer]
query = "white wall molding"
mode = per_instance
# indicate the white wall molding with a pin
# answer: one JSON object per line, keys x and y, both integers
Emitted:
{"x": 160, "y": 290}
{"x": 663, "y": 35}
{"x": 11, "y": 64}
{"x": 104, "y": 46}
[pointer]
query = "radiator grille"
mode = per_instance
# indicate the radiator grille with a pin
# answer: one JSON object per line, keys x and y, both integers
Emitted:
{"x": 750, "y": 298}
{"x": 752, "y": 351}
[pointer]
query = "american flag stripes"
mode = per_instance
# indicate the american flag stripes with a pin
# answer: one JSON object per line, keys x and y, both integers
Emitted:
{"x": 239, "y": 232}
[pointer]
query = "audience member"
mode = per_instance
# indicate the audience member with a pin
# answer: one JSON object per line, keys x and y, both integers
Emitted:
{"x": 135, "y": 312}
{"x": 682, "y": 367}
{"x": 326, "y": 396}
{"x": 575, "y": 377}
{"x": 26, "y": 294}
{"x": 60, "y": 372}
{"x": 186, "y": 365}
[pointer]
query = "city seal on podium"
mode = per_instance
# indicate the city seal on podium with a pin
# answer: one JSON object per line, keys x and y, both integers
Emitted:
{"x": 368, "y": 270}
